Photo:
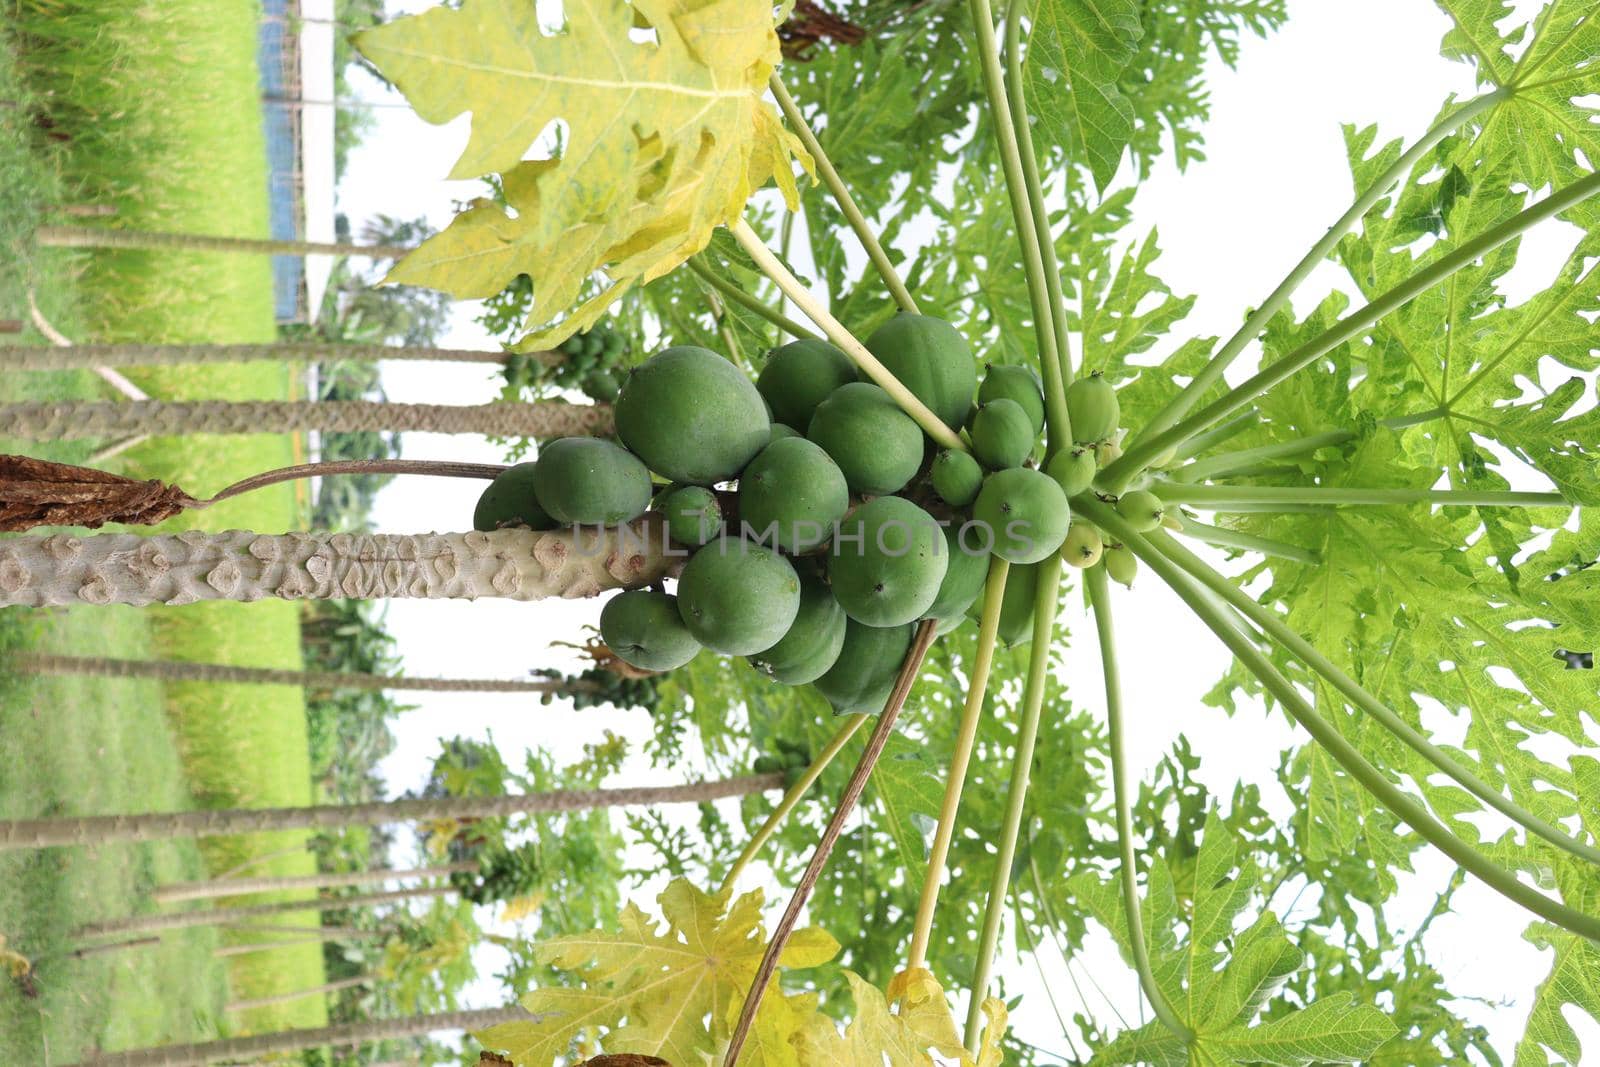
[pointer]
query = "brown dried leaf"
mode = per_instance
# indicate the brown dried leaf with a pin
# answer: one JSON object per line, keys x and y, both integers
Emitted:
{"x": 625, "y": 1059}
{"x": 35, "y": 492}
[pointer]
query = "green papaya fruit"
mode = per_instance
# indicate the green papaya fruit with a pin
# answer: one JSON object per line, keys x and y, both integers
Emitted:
{"x": 862, "y": 678}
{"x": 781, "y": 430}
{"x": 693, "y": 513}
{"x": 691, "y": 416}
{"x": 1002, "y": 434}
{"x": 813, "y": 642}
{"x": 601, "y": 386}
{"x": 1142, "y": 508}
{"x": 888, "y": 562}
{"x": 643, "y": 627}
{"x": 799, "y": 376}
{"x": 875, "y": 444}
{"x": 932, "y": 359}
{"x": 956, "y": 477}
{"x": 1121, "y": 565}
{"x": 510, "y": 501}
{"x": 792, "y": 495}
{"x": 1073, "y": 469}
{"x": 588, "y": 481}
{"x": 1025, "y": 512}
{"x": 1093, "y": 408}
{"x": 964, "y": 577}
{"x": 1083, "y": 546}
{"x": 1018, "y": 384}
{"x": 737, "y": 597}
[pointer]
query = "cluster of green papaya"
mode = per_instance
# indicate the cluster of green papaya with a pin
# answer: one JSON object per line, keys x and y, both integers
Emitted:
{"x": 592, "y": 362}
{"x": 1096, "y": 415}
{"x": 820, "y": 533}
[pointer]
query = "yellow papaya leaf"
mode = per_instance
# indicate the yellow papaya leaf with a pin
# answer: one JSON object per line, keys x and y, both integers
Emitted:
{"x": 989, "y": 1053}
{"x": 875, "y": 1036}
{"x": 519, "y": 908}
{"x": 903, "y": 1029}
{"x": 919, "y": 1002}
{"x": 665, "y": 136}
{"x": 663, "y": 992}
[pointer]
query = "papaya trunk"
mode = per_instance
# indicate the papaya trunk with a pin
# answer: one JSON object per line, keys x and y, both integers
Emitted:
{"x": 334, "y": 934}
{"x": 542, "y": 419}
{"x": 83, "y": 357}
{"x": 179, "y": 671}
{"x": 103, "y": 829}
{"x": 264, "y": 1045}
{"x": 237, "y": 565}
{"x": 188, "y": 920}
{"x": 240, "y": 887}
{"x": 100, "y": 237}
{"x": 300, "y": 994}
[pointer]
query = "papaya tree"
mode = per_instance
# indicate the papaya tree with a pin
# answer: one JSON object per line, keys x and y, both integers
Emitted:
{"x": 1406, "y": 519}
{"x": 1297, "y": 469}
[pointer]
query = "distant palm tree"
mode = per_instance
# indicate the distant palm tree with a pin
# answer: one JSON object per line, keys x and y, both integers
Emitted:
{"x": 261, "y": 1046}
{"x": 157, "y": 826}
{"x": 166, "y": 670}
{"x": 82, "y": 357}
{"x": 214, "y": 888}
{"x": 542, "y": 420}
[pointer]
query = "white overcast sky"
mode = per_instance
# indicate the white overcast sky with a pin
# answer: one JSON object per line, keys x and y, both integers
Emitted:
{"x": 1230, "y": 227}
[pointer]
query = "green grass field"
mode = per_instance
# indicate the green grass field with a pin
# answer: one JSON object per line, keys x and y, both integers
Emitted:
{"x": 158, "y": 116}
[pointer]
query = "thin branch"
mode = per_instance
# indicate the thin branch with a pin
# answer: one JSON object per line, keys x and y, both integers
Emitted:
{"x": 1349, "y": 328}
{"x": 1408, "y": 810}
{"x": 1055, "y": 397}
{"x": 1225, "y": 538}
{"x": 1100, "y": 596}
{"x": 830, "y": 836}
{"x": 746, "y": 301}
{"x": 841, "y": 196}
{"x": 1044, "y": 618}
{"x": 792, "y": 798}
{"x": 1229, "y": 497}
{"x": 1211, "y": 374}
{"x": 773, "y": 268}
{"x": 960, "y": 757}
{"x": 1308, "y": 654}
{"x": 1018, "y": 103}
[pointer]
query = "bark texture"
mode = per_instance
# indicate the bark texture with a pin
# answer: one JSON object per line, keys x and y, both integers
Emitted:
{"x": 264, "y": 1045}
{"x": 167, "y": 670}
{"x": 543, "y": 419}
{"x": 212, "y": 889}
{"x": 102, "y": 829}
{"x": 237, "y": 565}
{"x": 74, "y": 357}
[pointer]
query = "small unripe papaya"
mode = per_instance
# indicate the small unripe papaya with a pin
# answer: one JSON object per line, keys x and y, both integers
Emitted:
{"x": 877, "y": 446}
{"x": 956, "y": 477}
{"x": 693, "y": 513}
{"x": 932, "y": 359}
{"x": 1142, "y": 508}
{"x": 1025, "y": 512}
{"x": 588, "y": 481}
{"x": 1121, "y": 565}
{"x": 510, "y": 501}
{"x": 1073, "y": 469}
{"x": 643, "y": 627}
{"x": 1093, "y": 408}
{"x": 1083, "y": 546}
{"x": 1019, "y": 384}
{"x": 1002, "y": 434}
{"x": 799, "y": 376}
